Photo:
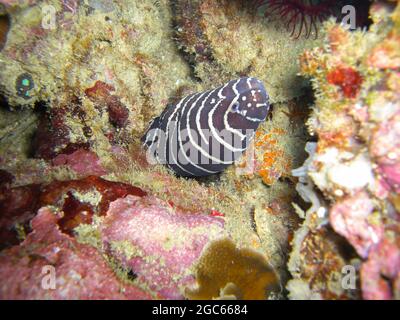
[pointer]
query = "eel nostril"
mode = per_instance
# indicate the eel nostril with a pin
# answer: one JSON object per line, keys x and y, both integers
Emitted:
{"x": 235, "y": 107}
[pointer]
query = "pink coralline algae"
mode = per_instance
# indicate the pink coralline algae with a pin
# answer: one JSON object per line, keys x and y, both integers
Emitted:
{"x": 385, "y": 146}
{"x": 51, "y": 265}
{"x": 83, "y": 162}
{"x": 18, "y": 205}
{"x": 158, "y": 244}
{"x": 380, "y": 275}
{"x": 353, "y": 219}
{"x": 62, "y": 195}
{"x": 146, "y": 241}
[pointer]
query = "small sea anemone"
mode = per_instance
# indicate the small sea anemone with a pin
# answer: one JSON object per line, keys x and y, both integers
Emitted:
{"x": 299, "y": 15}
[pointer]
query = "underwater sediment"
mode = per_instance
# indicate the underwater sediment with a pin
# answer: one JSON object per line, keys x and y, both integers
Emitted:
{"x": 81, "y": 81}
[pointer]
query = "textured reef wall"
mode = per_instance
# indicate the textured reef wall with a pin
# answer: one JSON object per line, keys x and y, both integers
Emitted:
{"x": 355, "y": 164}
{"x": 80, "y": 82}
{"x": 225, "y": 39}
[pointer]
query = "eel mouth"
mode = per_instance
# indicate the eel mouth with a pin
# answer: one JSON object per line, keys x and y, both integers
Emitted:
{"x": 255, "y": 119}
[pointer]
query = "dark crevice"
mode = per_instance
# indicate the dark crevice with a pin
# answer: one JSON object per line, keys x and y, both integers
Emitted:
{"x": 5, "y": 24}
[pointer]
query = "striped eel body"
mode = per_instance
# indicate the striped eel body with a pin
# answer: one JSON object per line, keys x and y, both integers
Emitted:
{"x": 207, "y": 131}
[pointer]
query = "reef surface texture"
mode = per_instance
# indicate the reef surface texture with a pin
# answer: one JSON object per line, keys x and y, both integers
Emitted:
{"x": 352, "y": 174}
{"x": 83, "y": 214}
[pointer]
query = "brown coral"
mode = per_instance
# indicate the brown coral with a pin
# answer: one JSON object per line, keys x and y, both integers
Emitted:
{"x": 244, "y": 271}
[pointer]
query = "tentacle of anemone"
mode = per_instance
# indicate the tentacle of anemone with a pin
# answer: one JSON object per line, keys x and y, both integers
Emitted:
{"x": 293, "y": 22}
{"x": 301, "y": 15}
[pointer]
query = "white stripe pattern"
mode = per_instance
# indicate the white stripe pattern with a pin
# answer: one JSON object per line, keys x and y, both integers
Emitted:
{"x": 215, "y": 121}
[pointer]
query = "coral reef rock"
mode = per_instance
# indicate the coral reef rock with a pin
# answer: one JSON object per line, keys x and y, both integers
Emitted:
{"x": 355, "y": 163}
{"x": 52, "y": 265}
{"x": 157, "y": 244}
{"x": 226, "y": 271}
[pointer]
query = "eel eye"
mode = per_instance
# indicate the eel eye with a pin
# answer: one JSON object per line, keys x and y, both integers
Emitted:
{"x": 235, "y": 107}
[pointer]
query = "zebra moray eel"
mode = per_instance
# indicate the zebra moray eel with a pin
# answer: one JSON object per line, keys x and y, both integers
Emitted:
{"x": 207, "y": 131}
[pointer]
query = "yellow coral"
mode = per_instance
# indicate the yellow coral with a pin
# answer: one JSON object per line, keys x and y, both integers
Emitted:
{"x": 222, "y": 265}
